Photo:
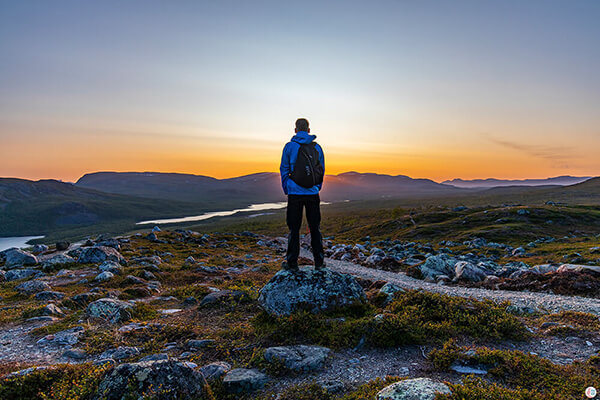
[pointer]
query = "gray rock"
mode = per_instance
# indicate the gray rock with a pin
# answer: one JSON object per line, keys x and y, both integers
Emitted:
{"x": 241, "y": 380}
{"x": 441, "y": 264}
{"x": 52, "y": 309}
{"x": 76, "y": 354}
{"x": 104, "y": 276}
{"x": 98, "y": 254}
{"x": 465, "y": 369}
{"x": 223, "y": 295}
{"x": 316, "y": 291}
{"x": 63, "y": 245}
{"x": 389, "y": 290}
{"x": 111, "y": 310}
{"x": 543, "y": 269}
{"x": 134, "y": 280}
{"x": 148, "y": 275}
{"x": 120, "y": 353}
{"x": 413, "y": 389}
{"x": 174, "y": 380}
{"x": 374, "y": 259}
{"x": 16, "y": 274}
{"x": 155, "y": 357}
{"x": 25, "y": 371}
{"x": 466, "y": 271}
{"x": 57, "y": 260}
{"x": 49, "y": 295}
{"x": 68, "y": 337}
{"x": 16, "y": 257}
{"x": 112, "y": 267}
{"x": 39, "y": 248}
{"x": 31, "y": 287}
{"x": 578, "y": 268}
{"x": 196, "y": 344}
{"x": 215, "y": 370}
{"x": 520, "y": 310}
{"x": 519, "y": 251}
{"x": 299, "y": 358}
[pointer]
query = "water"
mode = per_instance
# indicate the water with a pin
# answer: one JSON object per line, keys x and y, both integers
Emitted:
{"x": 201, "y": 217}
{"x": 20, "y": 241}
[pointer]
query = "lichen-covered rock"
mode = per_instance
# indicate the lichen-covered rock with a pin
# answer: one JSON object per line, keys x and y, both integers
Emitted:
{"x": 308, "y": 289}
{"x": 299, "y": 358}
{"x": 389, "y": 290}
{"x": 104, "y": 276}
{"x": 31, "y": 287}
{"x": 163, "y": 379}
{"x": 223, "y": 296}
{"x": 413, "y": 389}
{"x": 49, "y": 295}
{"x": 57, "y": 260}
{"x": 466, "y": 271}
{"x": 14, "y": 257}
{"x": 441, "y": 264}
{"x": 111, "y": 310}
{"x": 16, "y": 274}
{"x": 578, "y": 268}
{"x": 98, "y": 254}
{"x": 214, "y": 370}
{"x": 120, "y": 353}
{"x": 241, "y": 380}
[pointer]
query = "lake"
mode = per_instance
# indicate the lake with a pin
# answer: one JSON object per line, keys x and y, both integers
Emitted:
{"x": 201, "y": 217}
{"x": 18, "y": 241}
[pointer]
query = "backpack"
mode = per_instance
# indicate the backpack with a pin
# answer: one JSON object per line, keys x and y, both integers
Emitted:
{"x": 308, "y": 170}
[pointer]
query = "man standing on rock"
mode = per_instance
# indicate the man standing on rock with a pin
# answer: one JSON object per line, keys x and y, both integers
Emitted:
{"x": 302, "y": 170}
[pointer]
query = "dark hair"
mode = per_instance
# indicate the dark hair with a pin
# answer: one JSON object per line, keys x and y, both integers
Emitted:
{"x": 302, "y": 124}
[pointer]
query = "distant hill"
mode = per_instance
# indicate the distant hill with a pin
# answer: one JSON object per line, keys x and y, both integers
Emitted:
{"x": 491, "y": 182}
{"x": 47, "y": 206}
{"x": 256, "y": 188}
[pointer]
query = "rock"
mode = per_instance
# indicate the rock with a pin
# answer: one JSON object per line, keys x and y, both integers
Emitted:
{"x": 111, "y": 310}
{"x": 134, "y": 280}
{"x": 47, "y": 295}
{"x": 104, "y": 276}
{"x": 523, "y": 211}
{"x": 76, "y": 354}
{"x": 242, "y": 380}
{"x": 465, "y": 369}
{"x": 520, "y": 310}
{"x": 196, "y": 344}
{"x": 389, "y": 290}
{"x": 543, "y": 269}
{"x": 40, "y": 248}
{"x": 441, "y": 264}
{"x": 114, "y": 243}
{"x": 413, "y": 389}
{"x": 374, "y": 259}
{"x": 148, "y": 275}
{"x": 466, "y": 271}
{"x": 62, "y": 246}
{"x": 316, "y": 291}
{"x": 68, "y": 337}
{"x": 167, "y": 380}
{"x": 223, "y": 295}
{"x": 120, "y": 353}
{"x": 25, "y": 371}
{"x": 112, "y": 267}
{"x": 52, "y": 309}
{"x": 31, "y": 287}
{"x": 16, "y": 274}
{"x": 16, "y": 257}
{"x": 155, "y": 357}
{"x": 578, "y": 268}
{"x": 156, "y": 229}
{"x": 215, "y": 370}
{"x": 57, "y": 260}
{"x": 299, "y": 358}
{"x": 519, "y": 251}
{"x": 190, "y": 301}
{"x": 98, "y": 254}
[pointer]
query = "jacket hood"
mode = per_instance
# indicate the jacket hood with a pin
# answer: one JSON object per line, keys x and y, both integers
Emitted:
{"x": 303, "y": 137}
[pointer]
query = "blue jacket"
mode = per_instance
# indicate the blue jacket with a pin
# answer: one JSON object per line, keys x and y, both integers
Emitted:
{"x": 288, "y": 160}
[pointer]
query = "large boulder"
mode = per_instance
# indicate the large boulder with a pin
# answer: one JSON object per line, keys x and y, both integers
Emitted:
{"x": 16, "y": 274}
{"x": 578, "y": 268}
{"x": 31, "y": 287}
{"x": 466, "y": 271}
{"x": 214, "y": 370}
{"x": 242, "y": 380}
{"x": 413, "y": 389}
{"x": 57, "y": 260}
{"x": 16, "y": 257}
{"x": 111, "y": 310}
{"x": 161, "y": 379}
{"x": 98, "y": 254}
{"x": 307, "y": 289}
{"x": 434, "y": 266}
{"x": 299, "y": 358}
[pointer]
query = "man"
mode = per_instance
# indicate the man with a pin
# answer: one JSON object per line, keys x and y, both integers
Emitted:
{"x": 302, "y": 195}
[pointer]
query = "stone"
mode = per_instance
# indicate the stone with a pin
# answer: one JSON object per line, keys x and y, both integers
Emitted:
{"x": 466, "y": 271}
{"x": 31, "y": 287}
{"x": 134, "y": 280}
{"x": 148, "y": 275}
{"x": 441, "y": 264}
{"x": 242, "y": 380}
{"x": 190, "y": 301}
{"x": 578, "y": 268}
{"x": 465, "y": 369}
{"x": 16, "y": 274}
{"x": 300, "y": 358}
{"x": 76, "y": 354}
{"x": 413, "y": 389}
{"x": 98, "y": 254}
{"x": 155, "y": 357}
{"x": 120, "y": 353}
{"x": 164, "y": 379}
{"x": 52, "y": 309}
{"x": 68, "y": 337}
{"x": 308, "y": 289}
{"x": 543, "y": 269}
{"x": 112, "y": 267}
{"x": 57, "y": 261}
{"x": 47, "y": 295}
{"x": 63, "y": 245}
{"x": 16, "y": 257}
{"x": 111, "y": 310}
{"x": 389, "y": 290}
{"x": 39, "y": 248}
{"x": 215, "y": 370}
{"x": 104, "y": 276}
{"x": 196, "y": 344}
{"x": 224, "y": 295}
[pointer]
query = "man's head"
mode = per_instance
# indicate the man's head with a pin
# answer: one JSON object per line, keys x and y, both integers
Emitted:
{"x": 302, "y": 125}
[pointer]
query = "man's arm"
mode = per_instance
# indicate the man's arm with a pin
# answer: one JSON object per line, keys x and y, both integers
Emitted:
{"x": 322, "y": 161}
{"x": 284, "y": 168}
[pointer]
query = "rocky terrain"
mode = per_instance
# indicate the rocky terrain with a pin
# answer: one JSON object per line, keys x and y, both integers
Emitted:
{"x": 183, "y": 314}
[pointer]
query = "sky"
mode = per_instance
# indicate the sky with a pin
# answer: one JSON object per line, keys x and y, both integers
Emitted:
{"x": 428, "y": 89}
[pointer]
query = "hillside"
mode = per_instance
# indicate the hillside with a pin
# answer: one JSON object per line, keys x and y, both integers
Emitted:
{"x": 491, "y": 182}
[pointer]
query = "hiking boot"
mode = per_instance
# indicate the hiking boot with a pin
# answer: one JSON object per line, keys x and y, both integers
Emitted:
{"x": 286, "y": 267}
{"x": 320, "y": 267}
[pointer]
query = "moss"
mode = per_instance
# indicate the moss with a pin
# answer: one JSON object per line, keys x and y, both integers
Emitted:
{"x": 306, "y": 391}
{"x": 143, "y": 311}
{"x": 477, "y": 389}
{"x": 368, "y": 390}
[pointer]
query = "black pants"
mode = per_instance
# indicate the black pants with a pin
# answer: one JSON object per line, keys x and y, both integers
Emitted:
{"x": 294, "y": 220}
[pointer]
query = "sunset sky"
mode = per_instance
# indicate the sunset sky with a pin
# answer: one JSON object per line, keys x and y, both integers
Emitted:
{"x": 435, "y": 89}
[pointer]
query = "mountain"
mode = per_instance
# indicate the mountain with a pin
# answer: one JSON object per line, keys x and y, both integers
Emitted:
{"x": 491, "y": 182}
{"x": 49, "y": 206}
{"x": 256, "y": 188}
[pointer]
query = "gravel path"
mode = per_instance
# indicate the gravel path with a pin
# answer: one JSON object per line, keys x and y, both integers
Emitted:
{"x": 543, "y": 301}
